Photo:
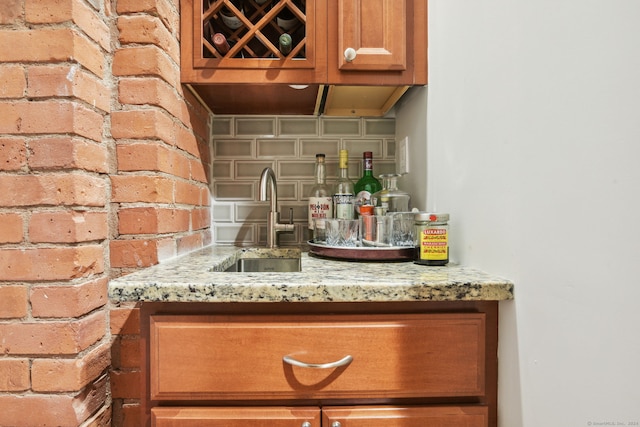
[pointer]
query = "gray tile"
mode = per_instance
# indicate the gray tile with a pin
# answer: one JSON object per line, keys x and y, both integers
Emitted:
{"x": 276, "y": 148}
{"x": 296, "y": 126}
{"x": 264, "y": 126}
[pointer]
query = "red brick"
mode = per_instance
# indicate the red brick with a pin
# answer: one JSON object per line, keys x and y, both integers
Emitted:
{"x": 58, "y": 375}
{"x": 70, "y": 226}
{"x": 145, "y": 61}
{"x": 152, "y": 220}
{"x": 153, "y": 91}
{"x": 25, "y": 117}
{"x": 199, "y": 171}
{"x": 151, "y": 189}
{"x": 52, "y": 190}
{"x": 165, "y": 9}
{"x": 142, "y": 124}
{"x": 200, "y": 218}
{"x": 128, "y": 415}
{"x": 68, "y": 153}
{"x": 186, "y": 140}
{"x": 10, "y": 228}
{"x": 11, "y": 11}
{"x": 125, "y": 385}
{"x": 50, "y": 45}
{"x": 13, "y": 154}
{"x": 13, "y": 301}
{"x": 144, "y": 156}
{"x": 124, "y": 321}
{"x": 146, "y": 29}
{"x": 167, "y": 249}
{"x": 188, "y": 193}
{"x": 13, "y": 82}
{"x": 52, "y": 338}
{"x": 14, "y": 375}
{"x": 68, "y": 300}
{"x": 128, "y": 353}
{"x": 197, "y": 111}
{"x": 59, "y": 11}
{"x": 39, "y": 264}
{"x": 133, "y": 253}
{"x": 189, "y": 243}
{"x": 66, "y": 80}
{"x": 38, "y": 410}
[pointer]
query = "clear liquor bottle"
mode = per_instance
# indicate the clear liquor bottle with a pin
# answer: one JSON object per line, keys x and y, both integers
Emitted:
{"x": 343, "y": 194}
{"x": 320, "y": 201}
{"x": 367, "y": 184}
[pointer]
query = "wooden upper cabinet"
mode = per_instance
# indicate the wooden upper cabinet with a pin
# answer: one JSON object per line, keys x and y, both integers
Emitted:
{"x": 377, "y": 42}
{"x": 388, "y": 37}
{"x": 374, "y": 32}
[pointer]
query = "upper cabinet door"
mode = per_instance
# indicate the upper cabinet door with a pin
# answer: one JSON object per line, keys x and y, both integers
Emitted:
{"x": 377, "y": 42}
{"x": 372, "y": 34}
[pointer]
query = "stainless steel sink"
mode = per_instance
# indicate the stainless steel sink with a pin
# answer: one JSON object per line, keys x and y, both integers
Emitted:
{"x": 257, "y": 260}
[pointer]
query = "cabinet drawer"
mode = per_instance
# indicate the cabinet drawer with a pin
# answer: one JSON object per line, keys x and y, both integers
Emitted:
{"x": 241, "y": 357}
{"x": 235, "y": 417}
{"x": 438, "y": 416}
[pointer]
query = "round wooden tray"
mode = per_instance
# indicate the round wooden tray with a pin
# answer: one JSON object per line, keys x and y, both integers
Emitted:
{"x": 393, "y": 253}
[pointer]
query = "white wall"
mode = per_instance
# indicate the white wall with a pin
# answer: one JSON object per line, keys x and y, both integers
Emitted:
{"x": 533, "y": 147}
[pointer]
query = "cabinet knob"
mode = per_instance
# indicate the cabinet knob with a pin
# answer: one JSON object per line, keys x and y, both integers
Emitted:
{"x": 306, "y": 424}
{"x": 350, "y": 54}
{"x": 336, "y": 424}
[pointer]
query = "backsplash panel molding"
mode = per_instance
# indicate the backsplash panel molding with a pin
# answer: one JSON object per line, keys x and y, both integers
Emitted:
{"x": 242, "y": 146}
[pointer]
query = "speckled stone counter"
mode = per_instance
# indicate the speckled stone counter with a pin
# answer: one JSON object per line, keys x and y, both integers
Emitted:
{"x": 200, "y": 277}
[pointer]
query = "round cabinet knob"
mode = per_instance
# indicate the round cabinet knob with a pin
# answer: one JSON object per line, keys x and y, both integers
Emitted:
{"x": 306, "y": 424}
{"x": 349, "y": 55}
{"x": 336, "y": 424}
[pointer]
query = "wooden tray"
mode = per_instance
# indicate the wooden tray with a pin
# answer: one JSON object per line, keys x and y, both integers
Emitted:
{"x": 393, "y": 253}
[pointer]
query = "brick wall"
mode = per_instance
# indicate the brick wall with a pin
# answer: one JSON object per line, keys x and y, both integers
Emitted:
{"x": 104, "y": 169}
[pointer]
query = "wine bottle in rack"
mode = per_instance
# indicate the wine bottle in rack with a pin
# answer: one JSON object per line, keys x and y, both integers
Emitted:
{"x": 286, "y": 19}
{"x": 229, "y": 18}
{"x": 284, "y": 44}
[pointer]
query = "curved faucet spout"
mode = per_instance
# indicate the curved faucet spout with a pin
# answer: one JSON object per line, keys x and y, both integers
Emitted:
{"x": 268, "y": 181}
{"x": 268, "y": 184}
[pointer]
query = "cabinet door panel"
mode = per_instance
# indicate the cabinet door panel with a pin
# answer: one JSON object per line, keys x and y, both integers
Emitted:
{"x": 444, "y": 416}
{"x": 235, "y": 417}
{"x": 376, "y": 30}
{"x": 241, "y": 357}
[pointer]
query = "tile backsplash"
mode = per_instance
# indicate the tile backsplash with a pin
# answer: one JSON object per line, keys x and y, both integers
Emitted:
{"x": 242, "y": 146}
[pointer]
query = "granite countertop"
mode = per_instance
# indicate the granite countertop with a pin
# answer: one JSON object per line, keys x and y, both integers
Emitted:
{"x": 200, "y": 277}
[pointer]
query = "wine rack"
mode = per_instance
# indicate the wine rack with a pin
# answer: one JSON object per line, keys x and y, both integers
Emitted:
{"x": 235, "y": 30}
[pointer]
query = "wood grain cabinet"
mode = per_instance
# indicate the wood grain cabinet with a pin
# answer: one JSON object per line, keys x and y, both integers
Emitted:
{"x": 387, "y": 37}
{"x": 426, "y": 365}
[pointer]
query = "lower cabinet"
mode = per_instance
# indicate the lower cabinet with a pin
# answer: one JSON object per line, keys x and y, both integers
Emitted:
{"x": 360, "y": 365}
{"x": 349, "y": 416}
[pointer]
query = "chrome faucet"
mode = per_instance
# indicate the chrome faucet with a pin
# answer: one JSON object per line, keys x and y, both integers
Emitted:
{"x": 268, "y": 181}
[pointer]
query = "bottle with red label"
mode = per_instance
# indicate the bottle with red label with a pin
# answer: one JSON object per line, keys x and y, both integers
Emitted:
{"x": 432, "y": 238}
{"x": 320, "y": 202}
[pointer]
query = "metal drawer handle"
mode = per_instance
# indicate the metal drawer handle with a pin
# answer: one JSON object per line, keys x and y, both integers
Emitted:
{"x": 342, "y": 362}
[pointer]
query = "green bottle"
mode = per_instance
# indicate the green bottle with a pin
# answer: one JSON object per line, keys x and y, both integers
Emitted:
{"x": 367, "y": 184}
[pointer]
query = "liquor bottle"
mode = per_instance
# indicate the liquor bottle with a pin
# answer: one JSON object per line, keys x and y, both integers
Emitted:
{"x": 320, "y": 201}
{"x": 367, "y": 184}
{"x": 229, "y": 18}
{"x": 343, "y": 193}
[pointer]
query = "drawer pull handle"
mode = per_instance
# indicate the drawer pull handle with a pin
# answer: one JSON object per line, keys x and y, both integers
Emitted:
{"x": 342, "y": 362}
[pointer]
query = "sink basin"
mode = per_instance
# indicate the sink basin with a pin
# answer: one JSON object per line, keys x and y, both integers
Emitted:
{"x": 257, "y": 260}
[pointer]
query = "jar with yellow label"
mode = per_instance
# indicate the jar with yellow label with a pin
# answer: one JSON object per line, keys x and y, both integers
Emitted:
{"x": 432, "y": 238}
